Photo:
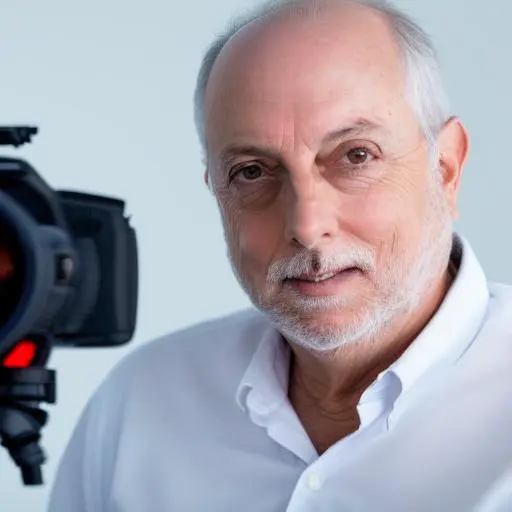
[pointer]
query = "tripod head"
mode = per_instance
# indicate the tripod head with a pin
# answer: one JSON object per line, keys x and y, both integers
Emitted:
{"x": 68, "y": 278}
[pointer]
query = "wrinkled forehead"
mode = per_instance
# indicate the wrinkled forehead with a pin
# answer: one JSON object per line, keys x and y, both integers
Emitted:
{"x": 302, "y": 77}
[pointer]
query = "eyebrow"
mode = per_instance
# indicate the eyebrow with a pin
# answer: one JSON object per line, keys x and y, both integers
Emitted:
{"x": 357, "y": 127}
{"x": 360, "y": 125}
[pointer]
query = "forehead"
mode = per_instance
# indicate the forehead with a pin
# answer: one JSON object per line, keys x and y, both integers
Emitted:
{"x": 294, "y": 78}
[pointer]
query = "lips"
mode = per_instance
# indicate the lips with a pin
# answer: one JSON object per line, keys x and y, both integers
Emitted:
{"x": 317, "y": 278}
{"x": 322, "y": 284}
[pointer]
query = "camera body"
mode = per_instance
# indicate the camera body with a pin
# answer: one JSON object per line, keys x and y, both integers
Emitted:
{"x": 76, "y": 263}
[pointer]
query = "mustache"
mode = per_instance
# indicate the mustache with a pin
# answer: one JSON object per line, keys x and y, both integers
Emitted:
{"x": 314, "y": 262}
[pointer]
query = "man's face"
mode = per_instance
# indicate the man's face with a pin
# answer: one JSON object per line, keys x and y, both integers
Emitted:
{"x": 335, "y": 220}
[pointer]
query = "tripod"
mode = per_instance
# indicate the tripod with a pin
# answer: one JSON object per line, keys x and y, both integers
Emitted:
{"x": 21, "y": 391}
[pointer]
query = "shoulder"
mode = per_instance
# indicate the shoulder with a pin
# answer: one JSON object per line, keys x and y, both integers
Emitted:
{"x": 500, "y": 302}
{"x": 198, "y": 364}
{"x": 500, "y": 290}
{"x": 495, "y": 333}
{"x": 169, "y": 375}
{"x": 237, "y": 333}
{"x": 219, "y": 348}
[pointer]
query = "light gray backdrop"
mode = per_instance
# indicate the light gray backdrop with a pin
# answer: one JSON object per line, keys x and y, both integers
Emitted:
{"x": 110, "y": 82}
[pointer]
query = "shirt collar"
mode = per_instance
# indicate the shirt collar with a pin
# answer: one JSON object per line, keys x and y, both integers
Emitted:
{"x": 267, "y": 372}
{"x": 447, "y": 335}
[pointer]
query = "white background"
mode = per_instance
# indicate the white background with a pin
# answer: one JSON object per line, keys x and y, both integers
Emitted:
{"x": 110, "y": 83}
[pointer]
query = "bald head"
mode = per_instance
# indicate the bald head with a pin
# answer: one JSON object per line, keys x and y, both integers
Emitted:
{"x": 419, "y": 61}
{"x": 327, "y": 67}
{"x": 330, "y": 31}
{"x": 319, "y": 21}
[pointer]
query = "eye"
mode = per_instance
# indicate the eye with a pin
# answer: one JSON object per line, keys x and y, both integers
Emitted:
{"x": 359, "y": 156}
{"x": 249, "y": 172}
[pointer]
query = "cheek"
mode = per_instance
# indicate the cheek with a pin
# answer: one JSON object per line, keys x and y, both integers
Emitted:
{"x": 254, "y": 239}
{"x": 259, "y": 239}
{"x": 230, "y": 221}
{"x": 386, "y": 217}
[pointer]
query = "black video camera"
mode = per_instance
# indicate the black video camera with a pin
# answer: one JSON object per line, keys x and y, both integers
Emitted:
{"x": 68, "y": 278}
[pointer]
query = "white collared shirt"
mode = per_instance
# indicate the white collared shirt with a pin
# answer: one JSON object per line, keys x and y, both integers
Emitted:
{"x": 199, "y": 421}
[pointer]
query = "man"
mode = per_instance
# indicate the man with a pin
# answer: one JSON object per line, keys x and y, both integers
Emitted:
{"x": 374, "y": 373}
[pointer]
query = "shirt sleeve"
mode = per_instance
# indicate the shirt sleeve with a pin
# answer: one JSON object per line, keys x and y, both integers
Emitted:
{"x": 84, "y": 476}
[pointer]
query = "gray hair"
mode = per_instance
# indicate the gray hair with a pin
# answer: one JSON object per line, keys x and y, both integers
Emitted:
{"x": 423, "y": 85}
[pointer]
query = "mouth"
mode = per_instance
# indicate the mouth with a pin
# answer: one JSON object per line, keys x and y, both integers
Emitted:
{"x": 318, "y": 278}
{"x": 322, "y": 284}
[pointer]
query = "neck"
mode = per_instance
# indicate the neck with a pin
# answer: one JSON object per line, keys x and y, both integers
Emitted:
{"x": 341, "y": 376}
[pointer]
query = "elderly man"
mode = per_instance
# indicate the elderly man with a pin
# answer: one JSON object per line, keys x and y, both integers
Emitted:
{"x": 374, "y": 373}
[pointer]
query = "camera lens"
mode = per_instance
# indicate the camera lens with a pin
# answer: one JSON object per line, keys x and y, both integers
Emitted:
{"x": 11, "y": 271}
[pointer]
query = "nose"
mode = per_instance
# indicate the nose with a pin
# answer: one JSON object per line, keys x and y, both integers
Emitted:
{"x": 311, "y": 218}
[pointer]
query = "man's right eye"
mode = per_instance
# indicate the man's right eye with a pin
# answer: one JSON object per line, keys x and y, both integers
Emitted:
{"x": 249, "y": 172}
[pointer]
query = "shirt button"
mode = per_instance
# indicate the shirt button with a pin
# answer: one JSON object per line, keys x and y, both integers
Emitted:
{"x": 314, "y": 482}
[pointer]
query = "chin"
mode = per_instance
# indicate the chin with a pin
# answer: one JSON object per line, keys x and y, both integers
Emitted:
{"x": 339, "y": 308}
{"x": 322, "y": 336}
{"x": 331, "y": 327}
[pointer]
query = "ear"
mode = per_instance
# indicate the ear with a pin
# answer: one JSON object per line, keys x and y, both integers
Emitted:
{"x": 453, "y": 148}
{"x": 208, "y": 181}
